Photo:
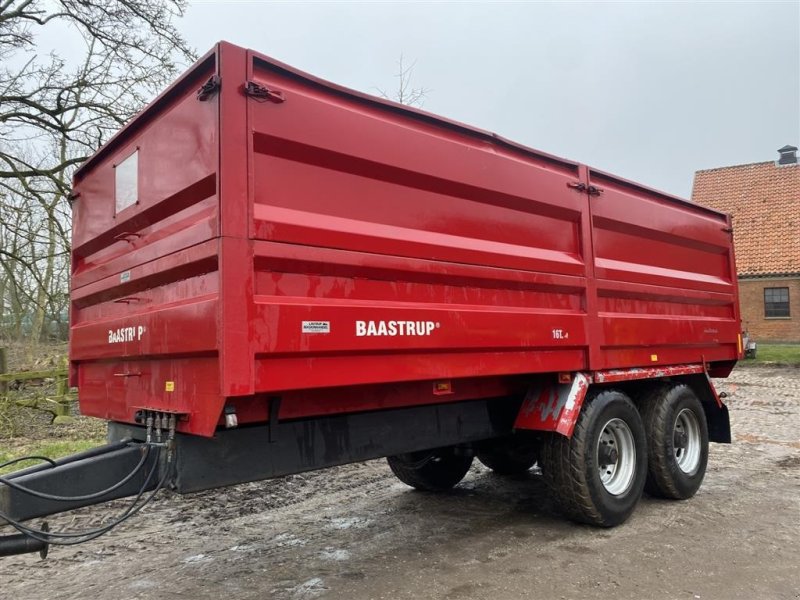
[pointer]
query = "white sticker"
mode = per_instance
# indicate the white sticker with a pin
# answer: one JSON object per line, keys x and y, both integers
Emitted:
{"x": 126, "y": 334}
{"x": 316, "y": 327}
{"x": 127, "y": 182}
{"x": 394, "y": 328}
{"x": 125, "y": 276}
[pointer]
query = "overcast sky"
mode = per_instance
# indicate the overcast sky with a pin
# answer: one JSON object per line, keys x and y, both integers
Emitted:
{"x": 649, "y": 91}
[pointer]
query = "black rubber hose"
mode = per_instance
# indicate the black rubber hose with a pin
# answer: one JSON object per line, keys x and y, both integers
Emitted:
{"x": 12, "y": 484}
{"x": 24, "y": 458}
{"x": 72, "y": 458}
{"x": 78, "y": 537}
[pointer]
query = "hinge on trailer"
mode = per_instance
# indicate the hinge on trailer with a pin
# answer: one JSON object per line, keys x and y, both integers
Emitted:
{"x": 209, "y": 88}
{"x": 261, "y": 93}
{"x": 594, "y": 190}
{"x": 727, "y": 229}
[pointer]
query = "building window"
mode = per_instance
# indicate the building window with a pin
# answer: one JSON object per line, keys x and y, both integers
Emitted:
{"x": 776, "y": 302}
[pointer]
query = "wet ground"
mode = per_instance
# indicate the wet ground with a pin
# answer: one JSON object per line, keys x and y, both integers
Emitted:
{"x": 356, "y": 532}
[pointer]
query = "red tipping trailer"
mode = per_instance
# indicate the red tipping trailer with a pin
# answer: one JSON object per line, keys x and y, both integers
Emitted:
{"x": 281, "y": 265}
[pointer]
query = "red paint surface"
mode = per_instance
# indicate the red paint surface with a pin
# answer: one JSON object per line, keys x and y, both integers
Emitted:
{"x": 614, "y": 375}
{"x": 338, "y": 207}
{"x": 553, "y": 407}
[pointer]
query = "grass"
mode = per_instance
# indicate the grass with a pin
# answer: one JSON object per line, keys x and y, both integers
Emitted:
{"x": 777, "y": 353}
{"x": 48, "y": 448}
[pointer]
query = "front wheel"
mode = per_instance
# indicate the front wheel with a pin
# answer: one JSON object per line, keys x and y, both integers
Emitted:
{"x": 677, "y": 438}
{"x": 431, "y": 470}
{"x": 597, "y": 476}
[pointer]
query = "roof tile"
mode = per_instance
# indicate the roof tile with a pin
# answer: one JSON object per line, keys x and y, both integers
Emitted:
{"x": 764, "y": 201}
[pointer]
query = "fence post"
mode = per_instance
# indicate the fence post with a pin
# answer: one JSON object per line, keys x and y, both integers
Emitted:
{"x": 3, "y": 369}
{"x": 64, "y": 405}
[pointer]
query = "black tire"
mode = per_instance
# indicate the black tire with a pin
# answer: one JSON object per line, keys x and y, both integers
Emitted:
{"x": 509, "y": 456}
{"x": 431, "y": 470}
{"x": 571, "y": 466}
{"x": 673, "y": 471}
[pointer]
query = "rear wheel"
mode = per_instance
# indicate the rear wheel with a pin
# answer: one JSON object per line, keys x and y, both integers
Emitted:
{"x": 510, "y": 456}
{"x": 677, "y": 442}
{"x": 597, "y": 476}
{"x": 431, "y": 470}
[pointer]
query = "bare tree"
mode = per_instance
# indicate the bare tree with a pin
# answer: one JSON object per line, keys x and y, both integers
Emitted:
{"x": 406, "y": 93}
{"x": 54, "y": 113}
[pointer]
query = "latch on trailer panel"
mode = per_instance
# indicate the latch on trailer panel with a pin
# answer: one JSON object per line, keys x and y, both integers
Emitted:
{"x": 209, "y": 88}
{"x": 581, "y": 187}
{"x": 592, "y": 190}
{"x": 261, "y": 93}
{"x": 127, "y": 236}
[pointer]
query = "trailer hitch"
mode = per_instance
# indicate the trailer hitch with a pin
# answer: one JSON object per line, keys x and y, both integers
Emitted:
{"x": 19, "y": 543}
{"x": 118, "y": 470}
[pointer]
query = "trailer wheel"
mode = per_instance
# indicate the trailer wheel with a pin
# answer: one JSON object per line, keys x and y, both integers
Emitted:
{"x": 431, "y": 470}
{"x": 509, "y": 456}
{"x": 597, "y": 476}
{"x": 677, "y": 442}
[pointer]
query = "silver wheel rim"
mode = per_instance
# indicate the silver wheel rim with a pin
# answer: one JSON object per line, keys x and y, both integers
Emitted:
{"x": 686, "y": 441}
{"x": 616, "y": 457}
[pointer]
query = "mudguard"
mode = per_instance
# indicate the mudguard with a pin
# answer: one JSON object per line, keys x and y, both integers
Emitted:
{"x": 553, "y": 406}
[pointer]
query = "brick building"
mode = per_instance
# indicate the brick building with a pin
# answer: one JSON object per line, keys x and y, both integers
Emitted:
{"x": 764, "y": 200}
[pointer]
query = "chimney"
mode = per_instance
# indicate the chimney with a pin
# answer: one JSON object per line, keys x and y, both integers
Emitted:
{"x": 788, "y": 155}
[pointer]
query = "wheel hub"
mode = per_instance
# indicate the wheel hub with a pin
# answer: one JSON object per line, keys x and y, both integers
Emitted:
{"x": 680, "y": 439}
{"x": 608, "y": 455}
{"x": 687, "y": 441}
{"x": 616, "y": 457}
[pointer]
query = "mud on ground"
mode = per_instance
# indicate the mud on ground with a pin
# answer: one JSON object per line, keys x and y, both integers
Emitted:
{"x": 355, "y": 532}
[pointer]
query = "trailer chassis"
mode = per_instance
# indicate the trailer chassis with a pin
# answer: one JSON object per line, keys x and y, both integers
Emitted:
{"x": 142, "y": 459}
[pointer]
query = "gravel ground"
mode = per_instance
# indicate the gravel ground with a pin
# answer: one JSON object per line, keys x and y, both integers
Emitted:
{"x": 355, "y": 532}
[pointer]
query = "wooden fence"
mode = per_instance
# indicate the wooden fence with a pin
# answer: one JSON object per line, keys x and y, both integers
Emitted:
{"x": 59, "y": 403}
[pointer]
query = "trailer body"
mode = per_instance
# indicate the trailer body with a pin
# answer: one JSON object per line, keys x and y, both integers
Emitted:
{"x": 259, "y": 244}
{"x": 274, "y": 274}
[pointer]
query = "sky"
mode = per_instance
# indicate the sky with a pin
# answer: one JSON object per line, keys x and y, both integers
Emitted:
{"x": 649, "y": 91}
